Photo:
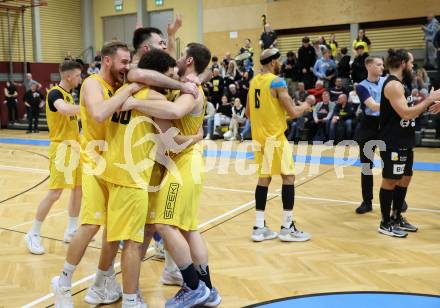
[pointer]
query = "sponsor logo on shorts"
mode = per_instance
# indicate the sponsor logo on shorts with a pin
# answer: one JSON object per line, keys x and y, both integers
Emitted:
{"x": 398, "y": 169}
{"x": 171, "y": 201}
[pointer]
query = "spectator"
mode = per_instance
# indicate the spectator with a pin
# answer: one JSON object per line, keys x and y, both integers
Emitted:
{"x": 353, "y": 96}
{"x": 216, "y": 87}
{"x": 421, "y": 80}
{"x": 430, "y": 30}
{"x": 343, "y": 117}
{"x": 248, "y": 63}
{"x": 323, "y": 44}
{"x": 325, "y": 68}
{"x": 318, "y": 49}
{"x": 337, "y": 90}
{"x": 322, "y": 116}
{"x": 243, "y": 85}
{"x": 362, "y": 40}
{"x": 28, "y": 82}
{"x": 209, "y": 118}
{"x": 222, "y": 117}
{"x": 69, "y": 57}
{"x": 215, "y": 64}
{"x": 238, "y": 117}
{"x": 33, "y": 100}
{"x": 232, "y": 74}
{"x": 317, "y": 91}
{"x": 232, "y": 93}
{"x": 92, "y": 69}
{"x": 300, "y": 93}
{"x": 268, "y": 38}
{"x": 98, "y": 59}
{"x": 436, "y": 43}
{"x": 290, "y": 72}
{"x": 358, "y": 69}
{"x": 343, "y": 68}
{"x": 333, "y": 46}
{"x": 298, "y": 125}
{"x": 306, "y": 61}
{"x": 11, "y": 95}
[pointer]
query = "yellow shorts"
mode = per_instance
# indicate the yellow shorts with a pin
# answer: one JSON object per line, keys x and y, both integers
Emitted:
{"x": 59, "y": 179}
{"x": 274, "y": 158}
{"x": 177, "y": 202}
{"x": 122, "y": 209}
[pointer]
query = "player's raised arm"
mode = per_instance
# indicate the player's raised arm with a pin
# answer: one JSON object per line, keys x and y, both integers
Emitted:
{"x": 287, "y": 102}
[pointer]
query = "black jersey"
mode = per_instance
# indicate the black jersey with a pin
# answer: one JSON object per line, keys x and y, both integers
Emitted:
{"x": 396, "y": 132}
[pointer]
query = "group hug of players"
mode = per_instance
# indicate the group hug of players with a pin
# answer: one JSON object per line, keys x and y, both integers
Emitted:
{"x": 114, "y": 196}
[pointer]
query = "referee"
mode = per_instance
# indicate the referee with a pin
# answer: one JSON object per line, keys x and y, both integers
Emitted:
{"x": 369, "y": 92}
{"x": 397, "y": 130}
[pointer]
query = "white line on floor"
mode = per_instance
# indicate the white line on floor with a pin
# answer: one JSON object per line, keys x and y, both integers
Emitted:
{"x": 21, "y": 169}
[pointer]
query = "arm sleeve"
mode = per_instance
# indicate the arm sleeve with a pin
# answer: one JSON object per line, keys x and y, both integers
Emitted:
{"x": 363, "y": 93}
{"x": 53, "y": 96}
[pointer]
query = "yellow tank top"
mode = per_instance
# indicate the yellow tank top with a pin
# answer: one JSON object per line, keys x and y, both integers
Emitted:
{"x": 61, "y": 127}
{"x": 268, "y": 117}
{"x": 92, "y": 130}
{"x": 191, "y": 123}
{"x": 129, "y": 159}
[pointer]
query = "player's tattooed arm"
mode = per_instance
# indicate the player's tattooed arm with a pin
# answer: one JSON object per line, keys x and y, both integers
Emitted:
{"x": 288, "y": 104}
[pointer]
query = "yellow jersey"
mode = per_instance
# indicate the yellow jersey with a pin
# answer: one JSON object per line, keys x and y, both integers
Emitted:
{"x": 92, "y": 130}
{"x": 61, "y": 127}
{"x": 131, "y": 138}
{"x": 267, "y": 115}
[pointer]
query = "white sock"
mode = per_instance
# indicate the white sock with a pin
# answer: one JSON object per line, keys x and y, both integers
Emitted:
{"x": 129, "y": 299}
{"x": 110, "y": 271}
{"x": 259, "y": 222}
{"x": 72, "y": 224}
{"x": 170, "y": 265}
{"x": 287, "y": 219}
{"x": 66, "y": 275}
{"x": 99, "y": 278}
{"x": 36, "y": 227}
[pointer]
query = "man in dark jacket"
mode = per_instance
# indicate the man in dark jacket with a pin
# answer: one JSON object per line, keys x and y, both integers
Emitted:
{"x": 358, "y": 69}
{"x": 306, "y": 61}
{"x": 32, "y": 100}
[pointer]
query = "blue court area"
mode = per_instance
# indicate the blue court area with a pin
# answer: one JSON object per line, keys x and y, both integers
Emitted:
{"x": 356, "y": 300}
{"x": 308, "y": 159}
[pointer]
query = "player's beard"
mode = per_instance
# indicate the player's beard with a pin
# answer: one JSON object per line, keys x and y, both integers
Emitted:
{"x": 116, "y": 75}
{"x": 407, "y": 76}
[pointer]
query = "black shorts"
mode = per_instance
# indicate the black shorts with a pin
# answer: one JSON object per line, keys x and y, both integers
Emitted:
{"x": 397, "y": 163}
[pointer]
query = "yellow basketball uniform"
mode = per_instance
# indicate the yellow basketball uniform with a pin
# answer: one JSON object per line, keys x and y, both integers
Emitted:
{"x": 64, "y": 139}
{"x": 272, "y": 151}
{"x": 177, "y": 203}
{"x": 130, "y": 157}
{"x": 95, "y": 191}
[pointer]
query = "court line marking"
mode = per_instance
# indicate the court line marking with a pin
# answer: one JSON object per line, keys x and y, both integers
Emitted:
{"x": 117, "y": 265}
{"x": 316, "y": 199}
{"x": 16, "y": 168}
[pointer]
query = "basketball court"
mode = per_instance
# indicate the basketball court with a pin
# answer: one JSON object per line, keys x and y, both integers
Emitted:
{"x": 345, "y": 254}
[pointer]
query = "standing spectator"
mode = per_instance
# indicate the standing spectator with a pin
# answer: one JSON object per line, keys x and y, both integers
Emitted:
{"x": 92, "y": 69}
{"x": 421, "y": 80}
{"x": 248, "y": 63}
{"x": 333, "y": 45}
{"x": 216, "y": 87}
{"x": 290, "y": 72}
{"x": 268, "y": 38}
{"x": 325, "y": 68}
{"x": 343, "y": 68}
{"x": 343, "y": 116}
{"x": 358, "y": 69}
{"x": 238, "y": 117}
{"x": 98, "y": 59}
{"x": 28, "y": 82}
{"x": 318, "y": 49}
{"x": 306, "y": 61}
{"x": 33, "y": 99}
{"x": 430, "y": 30}
{"x": 362, "y": 40}
{"x": 11, "y": 100}
{"x": 322, "y": 116}
{"x": 232, "y": 74}
{"x": 337, "y": 90}
{"x": 69, "y": 57}
{"x": 317, "y": 91}
{"x": 300, "y": 93}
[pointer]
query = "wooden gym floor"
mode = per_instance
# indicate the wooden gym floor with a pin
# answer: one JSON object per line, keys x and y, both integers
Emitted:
{"x": 346, "y": 252}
